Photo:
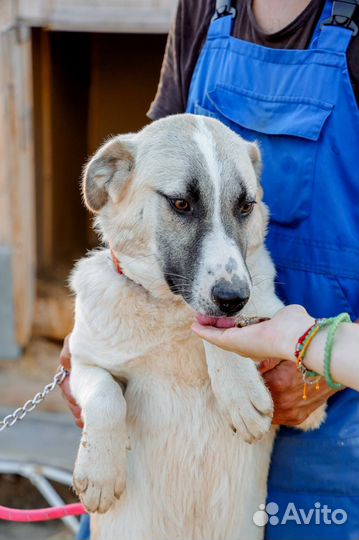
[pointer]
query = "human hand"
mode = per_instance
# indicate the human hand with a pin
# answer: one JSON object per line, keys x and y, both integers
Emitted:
{"x": 273, "y": 344}
{"x": 275, "y": 338}
{"x": 285, "y": 383}
{"x": 65, "y": 361}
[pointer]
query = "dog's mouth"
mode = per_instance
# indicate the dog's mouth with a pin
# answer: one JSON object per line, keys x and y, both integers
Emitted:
{"x": 218, "y": 322}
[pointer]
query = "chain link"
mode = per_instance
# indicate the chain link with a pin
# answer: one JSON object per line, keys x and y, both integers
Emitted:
{"x": 31, "y": 404}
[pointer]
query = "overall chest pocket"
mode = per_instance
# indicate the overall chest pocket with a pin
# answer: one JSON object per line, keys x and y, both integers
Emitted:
{"x": 288, "y": 130}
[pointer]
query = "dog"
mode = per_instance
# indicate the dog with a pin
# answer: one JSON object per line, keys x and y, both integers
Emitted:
{"x": 180, "y": 206}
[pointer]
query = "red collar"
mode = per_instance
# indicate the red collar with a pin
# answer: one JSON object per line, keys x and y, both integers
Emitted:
{"x": 116, "y": 262}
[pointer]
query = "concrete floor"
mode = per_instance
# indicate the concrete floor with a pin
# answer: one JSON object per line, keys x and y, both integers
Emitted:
{"x": 21, "y": 379}
{"x": 51, "y": 530}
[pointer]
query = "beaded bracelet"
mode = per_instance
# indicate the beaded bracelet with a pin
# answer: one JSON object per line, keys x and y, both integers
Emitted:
{"x": 311, "y": 377}
{"x": 342, "y": 318}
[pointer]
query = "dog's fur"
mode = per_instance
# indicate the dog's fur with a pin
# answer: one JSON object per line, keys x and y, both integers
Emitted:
{"x": 170, "y": 457}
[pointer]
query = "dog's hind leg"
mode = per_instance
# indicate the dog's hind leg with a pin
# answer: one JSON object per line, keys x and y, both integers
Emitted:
{"x": 101, "y": 464}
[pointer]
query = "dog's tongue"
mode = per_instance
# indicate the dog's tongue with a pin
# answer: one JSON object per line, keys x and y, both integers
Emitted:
{"x": 218, "y": 322}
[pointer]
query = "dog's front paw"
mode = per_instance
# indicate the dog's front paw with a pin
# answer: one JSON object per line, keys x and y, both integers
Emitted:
{"x": 244, "y": 400}
{"x": 251, "y": 413}
{"x": 100, "y": 471}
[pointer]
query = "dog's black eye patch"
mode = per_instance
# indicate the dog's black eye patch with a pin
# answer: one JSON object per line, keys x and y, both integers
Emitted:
{"x": 193, "y": 191}
{"x": 244, "y": 204}
{"x": 242, "y": 198}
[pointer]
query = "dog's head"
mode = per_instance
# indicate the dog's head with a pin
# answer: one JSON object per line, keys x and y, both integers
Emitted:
{"x": 180, "y": 203}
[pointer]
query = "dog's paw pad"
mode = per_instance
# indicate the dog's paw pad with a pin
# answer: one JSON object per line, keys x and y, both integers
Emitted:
{"x": 98, "y": 497}
{"x": 80, "y": 484}
{"x": 100, "y": 475}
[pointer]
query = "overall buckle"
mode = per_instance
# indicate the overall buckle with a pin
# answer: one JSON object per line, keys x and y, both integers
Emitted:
{"x": 223, "y": 9}
{"x": 342, "y": 15}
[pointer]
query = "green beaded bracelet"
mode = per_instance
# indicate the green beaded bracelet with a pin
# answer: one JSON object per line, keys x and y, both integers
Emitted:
{"x": 334, "y": 323}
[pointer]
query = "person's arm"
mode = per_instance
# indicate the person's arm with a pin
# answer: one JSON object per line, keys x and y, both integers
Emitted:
{"x": 344, "y": 366}
{"x": 185, "y": 40}
{"x": 282, "y": 378}
{"x": 277, "y": 339}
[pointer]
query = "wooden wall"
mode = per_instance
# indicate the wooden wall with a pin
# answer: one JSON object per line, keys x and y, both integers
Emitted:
{"x": 134, "y": 16}
{"x": 86, "y": 87}
{"x": 71, "y": 73}
{"x": 17, "y": 209}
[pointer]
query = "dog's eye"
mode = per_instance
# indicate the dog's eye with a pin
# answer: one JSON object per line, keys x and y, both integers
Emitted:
{"x": 181, "y": 205}
{"x": 247, "y": 208}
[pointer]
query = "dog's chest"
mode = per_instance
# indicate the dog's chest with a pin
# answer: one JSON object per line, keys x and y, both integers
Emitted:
{"x": 175, "y": 361}
{"x": 186, "y": 465}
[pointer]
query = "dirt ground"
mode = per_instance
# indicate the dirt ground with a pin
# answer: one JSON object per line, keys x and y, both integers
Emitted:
{"x": 18, "y": 492}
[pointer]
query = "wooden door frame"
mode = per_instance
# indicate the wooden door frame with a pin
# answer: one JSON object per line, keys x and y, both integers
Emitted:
{"x": 17, "y": 167}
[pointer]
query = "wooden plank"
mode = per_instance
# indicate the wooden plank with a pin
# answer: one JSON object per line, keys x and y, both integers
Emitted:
{"x": 7, "y": 14}
{"x": 8, "y": 345}
{"x": 16, "y": 174}
{"x": 146, "y": 16}
{"x": 23, "y": 199}
{"x": 5, "y": 204}
{"x": 43, "y": 146}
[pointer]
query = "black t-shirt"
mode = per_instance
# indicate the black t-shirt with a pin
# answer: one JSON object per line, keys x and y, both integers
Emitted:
{"x": 188, "y": 34}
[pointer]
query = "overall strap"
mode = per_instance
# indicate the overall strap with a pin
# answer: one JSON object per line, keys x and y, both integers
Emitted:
{"x": 343, "y": 13}
{"x": 223, "y": 8}
{"x": 327, "y": 10}
{"x": 337, "y": 30}
{"x": 222, "y": 20}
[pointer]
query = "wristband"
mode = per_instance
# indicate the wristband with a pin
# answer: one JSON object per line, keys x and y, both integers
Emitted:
{"x": 311, "y": 377}
{"x": 335, "y": 322}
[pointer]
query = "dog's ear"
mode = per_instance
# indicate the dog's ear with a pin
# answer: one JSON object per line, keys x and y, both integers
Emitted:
{"x": 259, "y": 229}
{"x": 108, "y": 171}
{"x": 256, "y": 158}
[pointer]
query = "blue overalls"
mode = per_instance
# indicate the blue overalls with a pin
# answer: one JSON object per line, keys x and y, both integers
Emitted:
{"x": 300, "y": 106}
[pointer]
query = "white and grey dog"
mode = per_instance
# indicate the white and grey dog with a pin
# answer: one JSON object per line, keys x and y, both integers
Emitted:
{"x": 180, "y": 205}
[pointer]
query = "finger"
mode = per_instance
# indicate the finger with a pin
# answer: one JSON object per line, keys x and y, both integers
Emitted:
{"x": 209, "y": 333}
{"x": 65, "y": 355}
{"x": 282, "y": 377}
{"x": 79, "y": 423}
{"x": 268, "y": 364}
{"x": 65, "y": 387}
{"x": 76, "y": 411}
{"x": 293, "y": 417}
{"x": 243, "y": 341}
{"x": 291, "y": 409}
{"x": 294, "y": 399}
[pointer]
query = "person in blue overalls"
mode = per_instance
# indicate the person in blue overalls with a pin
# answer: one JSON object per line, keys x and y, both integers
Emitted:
{"x": 300, "y": 106}
{"x": 292, "y": 90}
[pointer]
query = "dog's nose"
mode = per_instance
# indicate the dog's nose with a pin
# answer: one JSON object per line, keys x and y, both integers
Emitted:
{"x": 229, "y": 299}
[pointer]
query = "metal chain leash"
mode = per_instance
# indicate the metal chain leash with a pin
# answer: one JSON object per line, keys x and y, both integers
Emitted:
{"x": 31, "y": 404}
